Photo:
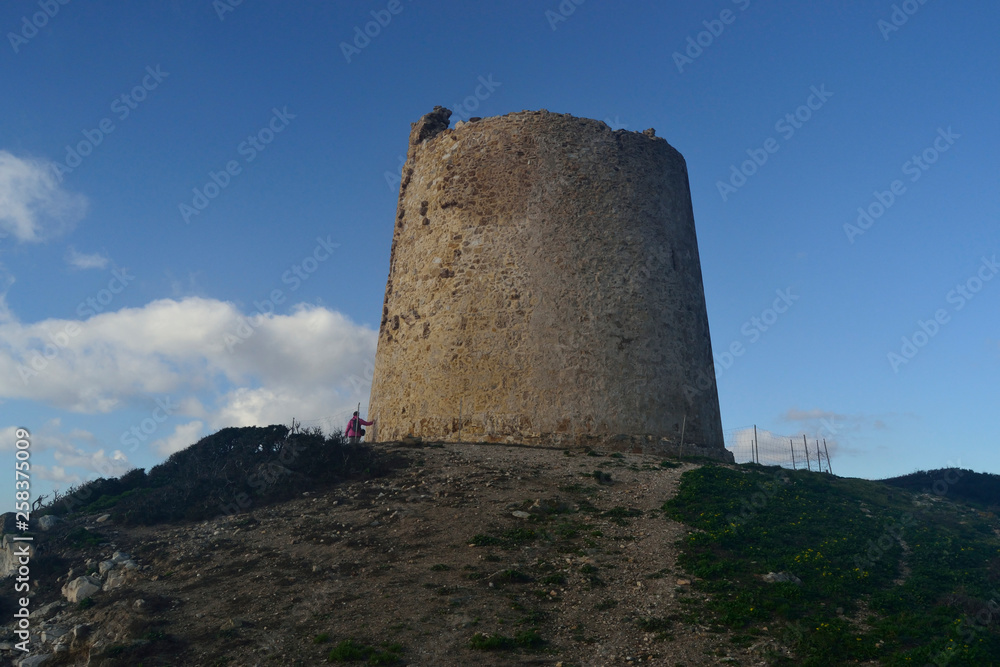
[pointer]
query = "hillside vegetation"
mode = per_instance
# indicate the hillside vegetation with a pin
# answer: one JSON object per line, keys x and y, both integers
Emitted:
{"x": 872, "y": 572}
{"x": 224, "y": 473}
{"x": 976, "y": 488}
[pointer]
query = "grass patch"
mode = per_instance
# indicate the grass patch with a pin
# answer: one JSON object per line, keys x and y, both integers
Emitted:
{"x": 81, "y": 537}
{"x": 589, "y": 573}
{"x": 601, "y": 477}
{"x": 843, "y": 538}
{"x": 567, "y": 530}
{"x": 621, "y": 515}
{"x": 654, "y": 624}
{"x": 484, "y": 642}
{"x": 512, "y": 576}
{"x": 508, "y": 539}
{"x": 534, "y": 618}
{"x": 350, "y": 650}
{"x": 527, "y": 639}
{"x": 573, "y": 488}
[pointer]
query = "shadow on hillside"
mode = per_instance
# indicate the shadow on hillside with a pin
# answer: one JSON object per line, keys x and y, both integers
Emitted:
{"x": 224, "y": 473}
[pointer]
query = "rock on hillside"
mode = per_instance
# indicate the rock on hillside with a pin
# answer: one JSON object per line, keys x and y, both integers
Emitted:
{"x": 462, "y": 554}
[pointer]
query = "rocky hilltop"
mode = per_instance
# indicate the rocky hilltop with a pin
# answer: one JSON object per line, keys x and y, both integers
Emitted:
{"x": 457, "y": 555}
{"x": 261, "y": 546}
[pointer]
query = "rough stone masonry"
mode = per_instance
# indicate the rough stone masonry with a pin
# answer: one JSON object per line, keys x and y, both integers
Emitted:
{"x": 545, "y": 288}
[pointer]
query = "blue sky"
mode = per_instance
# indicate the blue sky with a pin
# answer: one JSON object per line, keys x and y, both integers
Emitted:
{"x": 167, "y": 169}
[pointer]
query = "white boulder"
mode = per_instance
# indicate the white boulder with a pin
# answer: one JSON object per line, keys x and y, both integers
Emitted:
{"x": 80, "y": 588}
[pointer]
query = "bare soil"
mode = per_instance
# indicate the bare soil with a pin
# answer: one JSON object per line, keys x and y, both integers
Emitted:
{"x": 425, "y": 557}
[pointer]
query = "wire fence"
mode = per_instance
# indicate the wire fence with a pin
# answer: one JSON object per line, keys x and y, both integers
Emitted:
{"x": 752, "y": 445}
{"x": 748, "y": 444}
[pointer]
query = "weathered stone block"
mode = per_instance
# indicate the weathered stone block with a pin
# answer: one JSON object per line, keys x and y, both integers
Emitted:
{"x": 80, "y": 588}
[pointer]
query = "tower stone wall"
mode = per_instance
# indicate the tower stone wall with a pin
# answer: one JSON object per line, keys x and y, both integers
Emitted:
{"x": 545, "y": 287}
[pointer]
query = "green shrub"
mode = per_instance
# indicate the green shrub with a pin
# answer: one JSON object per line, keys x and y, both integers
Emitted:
{"x": 81, "y": 537}
{"x": 512, "y": 576}
{"x": 483, "y": 642}
{"x": 601, "y": 477}
{"x": 351, "y": 651}
{"x": 844, "y": 540}
{"x": 224, "y": 473}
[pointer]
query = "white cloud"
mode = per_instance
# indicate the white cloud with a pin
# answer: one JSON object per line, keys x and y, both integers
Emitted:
{"x": 794, "y": 414}
{"x": 265, "y": 406}
{"x": 79, "y": 260}
{"x": 33, "y": 206}
{"x": 7, "y": 280}
{"x": 309, "y": 361}
{"x": 56, "y": 474}
{"x": 8, "y": 438}
{"x": 78, "y": 454}
{"x": 107, "y": 465}
{"x": 183, "y": 436}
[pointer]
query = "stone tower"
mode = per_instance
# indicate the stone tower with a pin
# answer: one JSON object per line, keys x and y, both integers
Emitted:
{"x": 545, "y": 287}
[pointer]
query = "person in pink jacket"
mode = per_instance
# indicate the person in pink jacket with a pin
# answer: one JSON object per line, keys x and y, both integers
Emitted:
{"x": 354, "y": 431}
